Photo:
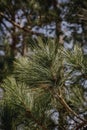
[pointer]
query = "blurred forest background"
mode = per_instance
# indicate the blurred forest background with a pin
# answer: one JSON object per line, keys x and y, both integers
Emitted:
{"x": 43, "y": 64}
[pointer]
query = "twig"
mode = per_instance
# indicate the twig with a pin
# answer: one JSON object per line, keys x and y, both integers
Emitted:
{"x": 18, "y": 26}
{"x": 58, "y": 96}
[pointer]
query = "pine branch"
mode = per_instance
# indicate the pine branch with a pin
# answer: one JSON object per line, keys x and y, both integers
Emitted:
{"x": 20, "y": 27}
{"x": 59, "y": 97}
{"x": 29, "y": 114}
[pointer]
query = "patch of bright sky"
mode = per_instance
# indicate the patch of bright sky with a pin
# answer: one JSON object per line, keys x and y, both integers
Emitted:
{"x": 68, "y": 45}
{"x": 2, "y": 53}
{"x": 63, "y": 1}
{"x": 20, "y": 19}
{"x": 85, "y": 49}
{"x": 8, "y": 24}
{"x": 66, "y": 28}
{"x": 47, "y": 30}
{"x": 85, "y": 84}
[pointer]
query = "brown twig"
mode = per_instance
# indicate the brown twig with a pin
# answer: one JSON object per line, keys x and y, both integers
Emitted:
{"x": 59, "y": 97}
{"x": 18, "y": 26}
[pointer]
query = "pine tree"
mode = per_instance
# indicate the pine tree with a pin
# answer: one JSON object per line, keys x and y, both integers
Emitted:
{"x": 34, "y": 13}
{"x": 17, "y": 19}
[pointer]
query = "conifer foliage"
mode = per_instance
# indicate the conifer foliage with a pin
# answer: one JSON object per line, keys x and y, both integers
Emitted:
{"x": 50, "y": 79}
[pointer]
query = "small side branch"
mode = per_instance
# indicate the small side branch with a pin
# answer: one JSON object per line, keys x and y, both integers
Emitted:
{"x": 59, "y": 97}
{"x": 18, "y": 26}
